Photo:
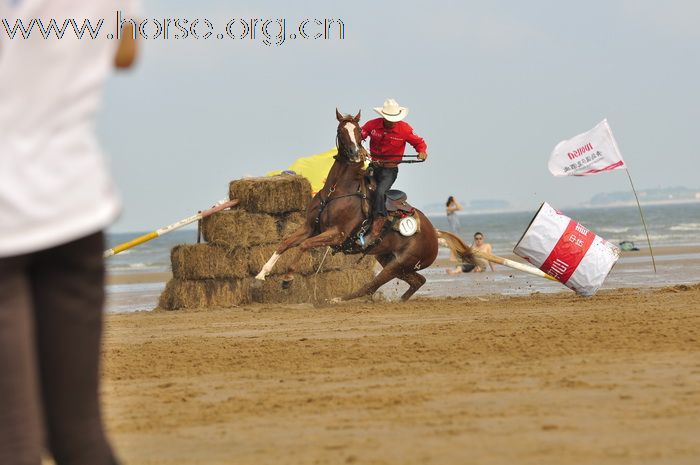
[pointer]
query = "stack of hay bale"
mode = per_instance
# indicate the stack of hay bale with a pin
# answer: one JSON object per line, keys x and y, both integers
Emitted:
{"x": 220, "y": 272}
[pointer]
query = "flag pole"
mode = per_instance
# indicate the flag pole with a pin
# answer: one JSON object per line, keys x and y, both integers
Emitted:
{"x": 651, "y": 252}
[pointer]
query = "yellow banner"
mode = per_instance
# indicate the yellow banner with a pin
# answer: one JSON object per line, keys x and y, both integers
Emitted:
{"x": 314, "y": 168}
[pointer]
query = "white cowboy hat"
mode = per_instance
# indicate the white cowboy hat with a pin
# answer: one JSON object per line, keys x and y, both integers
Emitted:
{"x": 392, "y": 111}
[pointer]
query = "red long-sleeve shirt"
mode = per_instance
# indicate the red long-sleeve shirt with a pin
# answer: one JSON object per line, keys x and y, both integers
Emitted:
{"x": 384, "y": 142}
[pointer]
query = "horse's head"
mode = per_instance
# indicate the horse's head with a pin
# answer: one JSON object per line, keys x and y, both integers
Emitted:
{"x": 349, "y": 138}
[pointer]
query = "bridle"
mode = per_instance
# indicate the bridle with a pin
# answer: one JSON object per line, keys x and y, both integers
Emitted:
{"x": 347, "y": 154}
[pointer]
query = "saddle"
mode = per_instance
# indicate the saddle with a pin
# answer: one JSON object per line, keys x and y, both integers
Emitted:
{"x": 397, "y": 201}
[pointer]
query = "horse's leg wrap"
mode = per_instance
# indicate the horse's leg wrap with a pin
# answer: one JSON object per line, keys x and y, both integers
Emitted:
{"x": 268, "y": 266}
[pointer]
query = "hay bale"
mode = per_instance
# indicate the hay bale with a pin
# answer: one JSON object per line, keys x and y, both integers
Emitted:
{"x": 270, "y": 291}
{"x": 314, "y": 288}
{"x": 205, "y": 261}
{"x": 258, "y": 256}
{"x": 290, "y": 222}
{"x": 239, "y": 228}
{"x": 338, "y": 283}
{"x": 226, "y": 293}
{"x": 308, "y": 263}
{"x": 209, "y": 293}
{"x": 272, "y": 194}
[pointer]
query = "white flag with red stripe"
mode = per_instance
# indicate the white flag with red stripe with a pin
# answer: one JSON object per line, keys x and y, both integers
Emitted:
{"x": 592, "y": 152}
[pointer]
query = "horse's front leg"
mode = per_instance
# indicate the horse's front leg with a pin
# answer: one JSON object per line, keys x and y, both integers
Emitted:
{"x": 296, "y": 238}
{"x": 329, "y": 237}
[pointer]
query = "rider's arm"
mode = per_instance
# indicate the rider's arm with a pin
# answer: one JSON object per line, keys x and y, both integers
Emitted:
{"x": 416, "y": 141}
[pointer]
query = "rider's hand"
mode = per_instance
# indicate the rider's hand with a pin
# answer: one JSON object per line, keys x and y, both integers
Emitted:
{"x": 422, "y": 155}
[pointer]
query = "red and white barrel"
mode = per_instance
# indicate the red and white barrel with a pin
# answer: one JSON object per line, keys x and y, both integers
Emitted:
{"x": 567, "y": 250}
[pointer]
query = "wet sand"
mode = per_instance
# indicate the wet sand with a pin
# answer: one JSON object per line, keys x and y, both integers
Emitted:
{"x": 139, "y": 291}
{"x": 541, "y": 379}
{"x": 139, "y": 278}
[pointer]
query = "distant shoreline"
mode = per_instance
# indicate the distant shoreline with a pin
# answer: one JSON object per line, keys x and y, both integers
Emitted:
{"x": 651, "y": 203}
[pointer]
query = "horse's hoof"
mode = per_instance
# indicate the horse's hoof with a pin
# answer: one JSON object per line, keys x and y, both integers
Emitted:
{"x": 335, "y": 300}
{"x": 286, "y": 284}
{"x": 257, "y": 283}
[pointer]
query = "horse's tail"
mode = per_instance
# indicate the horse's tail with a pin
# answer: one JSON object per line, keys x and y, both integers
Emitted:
{"x": 462, "y": 250}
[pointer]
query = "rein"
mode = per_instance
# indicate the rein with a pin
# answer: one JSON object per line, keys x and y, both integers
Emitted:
{"x": 343, "y": 156}
{"x": 328, "y": 199}
{"x": 378, "y": 158}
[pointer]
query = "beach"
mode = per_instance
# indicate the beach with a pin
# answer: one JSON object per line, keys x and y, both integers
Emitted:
{"x": 546, "y": 377}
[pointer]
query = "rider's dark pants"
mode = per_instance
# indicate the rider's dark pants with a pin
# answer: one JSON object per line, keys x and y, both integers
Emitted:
{"x": 50, "y": 331}
{"x": 385, "y": 178}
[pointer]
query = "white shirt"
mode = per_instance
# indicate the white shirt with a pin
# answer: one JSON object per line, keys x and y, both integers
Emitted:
{"x": 54, "y": 181}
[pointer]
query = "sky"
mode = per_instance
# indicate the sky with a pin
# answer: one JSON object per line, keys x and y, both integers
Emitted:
{"x": 492, "y": 87}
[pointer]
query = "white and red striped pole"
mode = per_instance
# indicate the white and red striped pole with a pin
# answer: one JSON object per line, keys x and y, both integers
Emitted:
{"x": 221, "y": 205}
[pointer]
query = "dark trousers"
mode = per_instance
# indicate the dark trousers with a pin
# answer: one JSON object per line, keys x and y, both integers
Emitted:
{"x": 50, "y": 330}
{"x": 385, "y": 179}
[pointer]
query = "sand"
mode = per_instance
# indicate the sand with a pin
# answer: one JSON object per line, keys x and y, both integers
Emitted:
{"x": 139, "y": 278}
{"x": 542, "y": 379}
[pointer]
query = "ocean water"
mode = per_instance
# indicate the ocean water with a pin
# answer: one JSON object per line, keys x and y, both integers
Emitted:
{"x": 152, "y": 256}
{"x": 668, "y": 225}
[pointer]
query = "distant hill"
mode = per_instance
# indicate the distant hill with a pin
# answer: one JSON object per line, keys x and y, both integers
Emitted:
{"x": 488, "y": 204}
{"x": 663, "y": 195}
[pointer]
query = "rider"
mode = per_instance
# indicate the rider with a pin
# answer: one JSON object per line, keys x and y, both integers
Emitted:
{"x": 387, "y": 140}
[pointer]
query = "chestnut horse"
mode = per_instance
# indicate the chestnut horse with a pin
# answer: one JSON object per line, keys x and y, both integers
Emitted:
{"x": 338, "y": 214}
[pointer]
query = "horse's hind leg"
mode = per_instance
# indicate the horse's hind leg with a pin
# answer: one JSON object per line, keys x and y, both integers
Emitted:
{"x": 415, "y": 281}
{"x": 391, "y": 270}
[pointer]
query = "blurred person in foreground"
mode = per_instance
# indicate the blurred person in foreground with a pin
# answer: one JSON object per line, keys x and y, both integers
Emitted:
{"x": 56, "y": 197}
{"x": 480, "y": 245}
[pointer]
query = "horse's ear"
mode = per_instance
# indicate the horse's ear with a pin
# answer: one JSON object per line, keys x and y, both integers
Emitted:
{"x": 338, "y": 115}
{"x": 357, "y": 116}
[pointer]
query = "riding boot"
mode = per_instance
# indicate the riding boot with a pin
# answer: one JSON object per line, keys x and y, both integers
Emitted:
{"x": 376, "y": 231}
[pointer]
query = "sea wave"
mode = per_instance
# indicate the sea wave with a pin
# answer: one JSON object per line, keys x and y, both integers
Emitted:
{"x": 613, "y": 230}
{"x": 138, "y": 266}
{"x": 652, "y": 237}
{"x": 686, "y": 227}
